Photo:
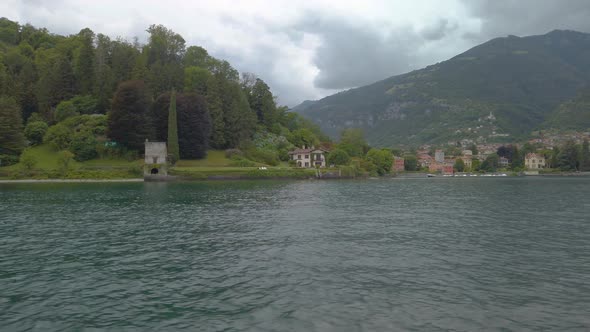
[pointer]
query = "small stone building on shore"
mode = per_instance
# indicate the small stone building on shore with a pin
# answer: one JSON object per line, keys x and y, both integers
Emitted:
{"x": 155, "y": 162}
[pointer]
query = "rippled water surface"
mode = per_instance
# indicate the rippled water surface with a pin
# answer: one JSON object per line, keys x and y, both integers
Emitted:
{"x": 510, "y": 254}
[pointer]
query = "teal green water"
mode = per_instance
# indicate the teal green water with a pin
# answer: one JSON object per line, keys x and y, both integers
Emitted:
{"x": 505, "y": 254}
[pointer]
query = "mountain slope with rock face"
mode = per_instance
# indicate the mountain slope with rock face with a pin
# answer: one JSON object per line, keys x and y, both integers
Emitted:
{"x": 499, "y": 90}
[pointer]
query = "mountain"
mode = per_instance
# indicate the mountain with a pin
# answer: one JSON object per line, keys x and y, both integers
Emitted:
{"x": 574, "y": 114}
{"x": 499, "y": 90}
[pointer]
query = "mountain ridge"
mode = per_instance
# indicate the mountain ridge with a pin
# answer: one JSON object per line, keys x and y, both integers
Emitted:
{"x": 521, "y": 80}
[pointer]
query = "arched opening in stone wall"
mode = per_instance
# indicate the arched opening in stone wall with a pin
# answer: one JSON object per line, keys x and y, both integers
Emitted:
{"x": 154, "y": 171}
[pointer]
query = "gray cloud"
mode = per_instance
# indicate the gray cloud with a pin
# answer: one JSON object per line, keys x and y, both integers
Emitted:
{"x": 528, "y": 17}
{"x": 438, "y": 30}
{"x": 351, "y": 55}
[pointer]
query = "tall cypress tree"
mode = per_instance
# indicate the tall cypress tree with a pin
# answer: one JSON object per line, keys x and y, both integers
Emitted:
{"x": 173, "y": 148}
{"x": 215, "y": 107}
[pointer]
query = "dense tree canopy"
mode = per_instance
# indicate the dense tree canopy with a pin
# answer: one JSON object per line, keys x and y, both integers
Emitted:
{"x": 11, "y": 135}
{"x": 129, "y": 123}
{"x": 58, "y": 80}
{"x": 194, "y": 126}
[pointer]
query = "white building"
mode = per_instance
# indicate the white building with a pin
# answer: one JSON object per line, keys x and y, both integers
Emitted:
{"x": 155, "y": 158}
{"x": 309, "y": 157}
{"x": 534, "y": 161}
{"x": 439, "y": 156}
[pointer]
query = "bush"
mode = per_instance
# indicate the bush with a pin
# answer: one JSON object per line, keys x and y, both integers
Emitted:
{"x": 34, "y": 117}
{"x": 58, "y": 136}
{"x": 382, "y": 159}
{"x": 338, "y": 157}
{"x": 85, "y": 104}
{"x": 8, "y": 159}
{"x": 231, "y": 153}
{"x": 64, "y": 110}
{"x": 83, "y": 145}
{"x": 64, "y": 160}
{"x": 284, "y": 155}
{"x": 264, "y": 156}
{"x": 240, "y": 162}
{"x": 34, "y": 132}
{"x": 28, "y": 160}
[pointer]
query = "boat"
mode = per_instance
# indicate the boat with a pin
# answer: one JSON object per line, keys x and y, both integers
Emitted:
{"x": 431, "y": 175}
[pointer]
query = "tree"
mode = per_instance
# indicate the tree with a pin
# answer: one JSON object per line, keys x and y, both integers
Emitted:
{"x": 28, "y": 160}
{"x": 103, "y": 73}
{"x": 165, "y": 50}
{"x": 338, "y": 157}
{"x": 473, "y": 149}
{"x": 64, "y": 83}
{"x": 459, "y": 165}
{"x": 353, "y": 142}
{"x": 196, "y": 80}
{"x": 194, "y": 126}
{"x": 64, "y": 110}
{"x": 34, "y": 132}
{"x": 382, "y": 159}
{"x": 58, "y": 136}
{"x": 198, "y": 57}
{"x": 585, "y": 157}
{"x": 129, "y": 121}
{"x": 303, "y": 137}
{"x": 410, "y": 163}
{"x": 262, "y": 102}
{"x": 85, "y": 61}
{"x": 239, "y": 119}
{"x": 214, "y": 92}
{"x": 12, "y": 140}
{"x": 475, "y": 165}
{"x": 173, "y": 148}
{"x": 490, "y": 164}
{"x": 159, "y": 114}
{"x": 567, "y": 159}
{"x": 83, "y": 145}
{"x": 64, "y": 161}
{"x": 517, "y": 159}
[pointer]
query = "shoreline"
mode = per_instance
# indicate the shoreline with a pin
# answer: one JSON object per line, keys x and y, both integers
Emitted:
{"x": 70, "y": 180}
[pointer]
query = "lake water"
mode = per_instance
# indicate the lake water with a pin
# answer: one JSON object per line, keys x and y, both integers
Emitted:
{"x": 467, "y": 254}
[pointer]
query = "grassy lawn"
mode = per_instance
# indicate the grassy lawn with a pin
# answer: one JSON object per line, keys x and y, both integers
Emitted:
{"x": 215, "y": 158}
{"x": 46, "y": 159}
{"x": 216, "y": 164}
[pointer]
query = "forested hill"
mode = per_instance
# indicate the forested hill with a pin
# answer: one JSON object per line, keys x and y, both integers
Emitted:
{"x": 521, "y": 81}
{"x": 81, "y": 91}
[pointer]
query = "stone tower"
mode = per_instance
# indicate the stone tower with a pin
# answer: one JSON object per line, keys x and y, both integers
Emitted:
{"x": 155, "y": 159}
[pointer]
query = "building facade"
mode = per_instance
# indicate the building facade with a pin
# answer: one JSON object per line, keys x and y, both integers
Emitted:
{"x": 309, "y": 157}
{"x": 398, "y": 164}
{"x": 534, "y": 161}
{"x": 439, "y": 156}
{"x": 155, "y": 160}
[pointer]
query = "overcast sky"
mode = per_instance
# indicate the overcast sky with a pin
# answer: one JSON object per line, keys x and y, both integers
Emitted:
{"x": 310, "y": 49}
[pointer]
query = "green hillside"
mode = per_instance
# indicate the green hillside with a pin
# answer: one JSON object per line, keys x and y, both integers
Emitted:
{"x": 520, "y": 81}
{"x": 573, "y": 114}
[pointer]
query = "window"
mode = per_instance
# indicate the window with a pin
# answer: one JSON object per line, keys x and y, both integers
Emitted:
{"x": 298, "y": 156}
{"x": 306, "y": 156}
{"x": 306, "y": 164}
{"x": 155, "y": 160}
